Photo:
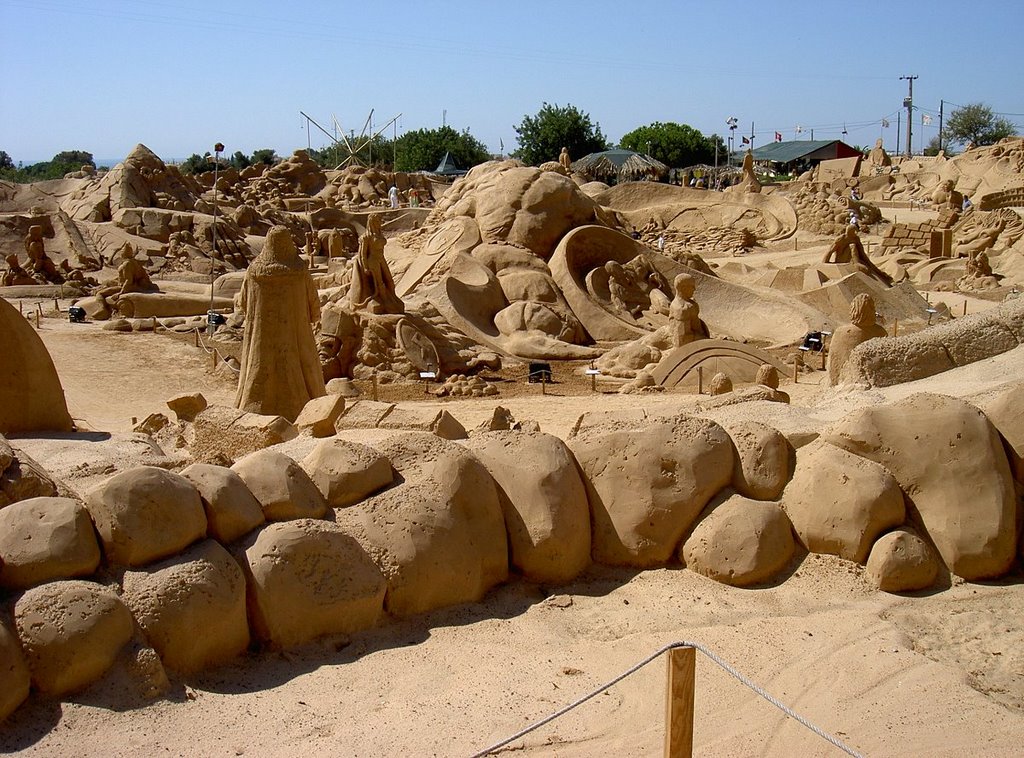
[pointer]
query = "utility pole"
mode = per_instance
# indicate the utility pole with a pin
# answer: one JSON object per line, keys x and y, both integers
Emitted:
{"x": 909, "y": 103}
{"x": 941, "y": 104}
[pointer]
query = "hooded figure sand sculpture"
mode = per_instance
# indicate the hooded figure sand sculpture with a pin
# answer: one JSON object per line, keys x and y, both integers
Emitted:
{"x": 280, "y": 370}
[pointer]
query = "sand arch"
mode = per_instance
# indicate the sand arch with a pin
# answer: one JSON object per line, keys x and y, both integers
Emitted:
{"x": 740, "y": 362}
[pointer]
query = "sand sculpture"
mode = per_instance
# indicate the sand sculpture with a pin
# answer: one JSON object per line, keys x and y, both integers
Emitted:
{"x": 748, "y": 183}
{"x": 280, "y": 370}
{"x": 31, "y": 395}
{"x": 848, "y": 248}
{"x": 373, "y": 288}
{"x": 861, "y": 328}
{"x": 878, "y": 157}
{"x": 564, "y": 160}
{"x": 39, "y": 264}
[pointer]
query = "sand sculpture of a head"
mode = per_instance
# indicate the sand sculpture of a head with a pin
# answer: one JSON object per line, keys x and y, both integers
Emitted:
{"x": 279, "y": 254}
{"x": 373, "y": 223}
{"x": 684, "y": 286}
{"x": 720, "y": 384}
{"x": 767, "y": 375}
{"x": 862, "y": 310}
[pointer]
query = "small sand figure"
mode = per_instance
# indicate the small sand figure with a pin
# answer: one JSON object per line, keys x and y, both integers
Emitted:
{"x": 373, "y": 287}
{"x": 848, "y": 248}
{"x": 39, "y": 264}
{"x": 861, "y": 328}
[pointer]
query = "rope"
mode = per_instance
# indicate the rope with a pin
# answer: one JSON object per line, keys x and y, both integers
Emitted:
{"x": 220, "y": 355}
{"x": 632, "y": 670}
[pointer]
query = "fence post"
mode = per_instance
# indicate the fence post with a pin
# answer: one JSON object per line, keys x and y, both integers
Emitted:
{"x": 679, "y": 702}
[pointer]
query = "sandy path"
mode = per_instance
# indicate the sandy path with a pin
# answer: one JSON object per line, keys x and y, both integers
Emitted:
{"x": 110, "y": 377}
{"x": 892, "y": 676}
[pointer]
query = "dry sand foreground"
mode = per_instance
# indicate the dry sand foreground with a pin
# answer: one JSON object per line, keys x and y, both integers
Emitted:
{"x": 940, "y": 673}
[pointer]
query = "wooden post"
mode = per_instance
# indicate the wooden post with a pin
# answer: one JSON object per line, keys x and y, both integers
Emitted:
{"x": 593, "y": 382}
{"x": 56, "y": 305}
{"x": 796, "y": 368}
{"x": 20, "y": 309}
{"x": 965, "y": 306}
{"x": 700, "y": 380}
{"x": 543, "y": 382}
{"x": 375, "y": 386}
{"x": 679, "y": 702}
{"x": 37, "y": 318}
{"x": 895, "y": 326}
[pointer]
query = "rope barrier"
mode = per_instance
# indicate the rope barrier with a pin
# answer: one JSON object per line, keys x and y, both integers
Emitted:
{"x": 714, "y": 657}
{"x": 199, "y": 333}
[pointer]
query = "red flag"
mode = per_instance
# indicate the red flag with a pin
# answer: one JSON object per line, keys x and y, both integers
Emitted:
{"x": 778, "y": 136}
{"x": 746, "y": 141}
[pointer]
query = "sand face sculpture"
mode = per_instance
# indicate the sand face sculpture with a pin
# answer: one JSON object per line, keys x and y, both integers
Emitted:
{"x": 861, "y": 328}
{"x": 280, "y": 369}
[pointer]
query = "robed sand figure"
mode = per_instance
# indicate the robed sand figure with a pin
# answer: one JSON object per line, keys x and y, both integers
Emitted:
{"x": 280, "y": 370}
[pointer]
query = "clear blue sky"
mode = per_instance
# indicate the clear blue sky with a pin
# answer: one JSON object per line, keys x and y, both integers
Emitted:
{"x": 103, "y": 75}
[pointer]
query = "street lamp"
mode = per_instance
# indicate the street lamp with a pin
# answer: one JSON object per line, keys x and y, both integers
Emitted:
{"x": 732, "y": 121}
{"x": 211, "y": 321}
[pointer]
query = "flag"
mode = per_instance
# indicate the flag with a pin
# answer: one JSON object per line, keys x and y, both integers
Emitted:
{"x": 885, "y": 123}
{"x": 778, "y": 136}
{"x": 746, "y": 140}
{"x": 502, "y": 143}
{"x": 926, "y": 119}
{"x": 799, "y": 130}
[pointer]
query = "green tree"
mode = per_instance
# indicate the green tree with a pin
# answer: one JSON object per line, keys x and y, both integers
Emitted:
{"x": 423, "y": 149}
{"x": 264, "y": 155}
{"x": 976, "y": 123}
{"x": 196, "y": 164}
{"x": 76, "y": 158}
{"x": 675, "y": 145}
{"x": 542, "y": 137}
{"x": 240, "y": 160}
{"x": 5, "y": 160}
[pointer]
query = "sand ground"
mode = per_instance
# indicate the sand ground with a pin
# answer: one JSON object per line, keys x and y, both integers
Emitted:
{"x": 937, "y": 673}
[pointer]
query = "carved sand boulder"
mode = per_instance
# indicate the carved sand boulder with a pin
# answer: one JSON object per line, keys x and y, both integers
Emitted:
{"x": 901, "y": 561}
{"x": 191, "y": 607}
{"x": 741, "y": 542}
{"x": 1006, "y": 412}
{"x": 763, "y": 460}
{"x": 840, "y": 503}
{"x": 71, "y": 632}
{"x": 21, "y": 477}
{"x": 13, "y": 673}
{"x": 145, "y": 514}
{"x": 949, "y": 460}
{"x": 46, "y": 538}
{"x": 308, "y": 578}
{"x": 232, "y": 511}
{"x": 439, "y": 535}
{"x": 647, "y": 485}
{"x": 283, "y": 489}
{"x": 543, "y": 500}
{"x": 347, "y": 472}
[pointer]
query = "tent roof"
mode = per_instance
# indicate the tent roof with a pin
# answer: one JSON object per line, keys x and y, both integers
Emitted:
{"x": 447, "y": 167}
{"x": 625, "y": 164}
{"x": 784, "y": 152}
